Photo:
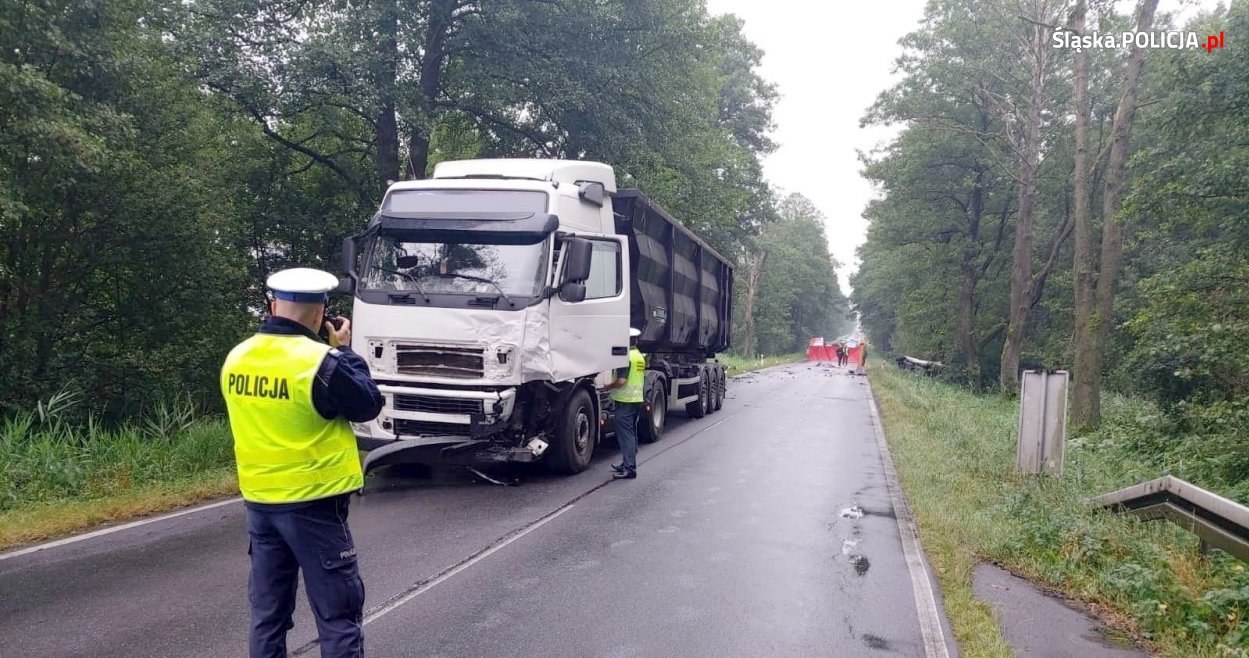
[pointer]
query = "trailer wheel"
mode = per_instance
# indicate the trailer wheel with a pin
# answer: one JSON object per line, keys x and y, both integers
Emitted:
{"x": 655, "y": 415}
{"x": 576, "y": 436}
{"x": 701, "y": 406}
{"x": 721, "y": 387}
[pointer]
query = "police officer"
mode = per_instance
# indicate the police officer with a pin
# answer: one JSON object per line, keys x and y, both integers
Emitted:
{"x": 628, "y": 392}
{"x": 291, "y": 398}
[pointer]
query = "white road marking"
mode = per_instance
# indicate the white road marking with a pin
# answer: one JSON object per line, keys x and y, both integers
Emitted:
{"x": 921, "y": 583}
{"x": 117, "y": 528}
{"x": 393, "y": 605}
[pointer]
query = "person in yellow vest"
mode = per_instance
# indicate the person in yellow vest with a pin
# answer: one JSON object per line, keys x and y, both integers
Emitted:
{"x": 628, "y": 392}
{"x": 291, "y": 398}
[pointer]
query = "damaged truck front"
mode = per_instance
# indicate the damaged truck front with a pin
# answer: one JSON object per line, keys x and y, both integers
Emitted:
{"x": 492, "y": 302}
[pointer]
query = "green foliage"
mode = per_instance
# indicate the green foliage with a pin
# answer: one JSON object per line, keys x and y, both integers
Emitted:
{"x": 955, "y": 456}
{"x": 1191, "y": 326}
{"x": 935, "y": 265}
{"x": 1179, "y": 333}
{"x": 799, "y": 296}
{"x": 110, "y": 227}
{"x": 47, "y": 456}
{"x": 158, "y": 160}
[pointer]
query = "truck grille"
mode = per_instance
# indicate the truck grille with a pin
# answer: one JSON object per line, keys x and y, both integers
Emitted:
{"x": 437, "y": 405}
{"x": 405, "y": 427}
{"x": 440, "y": 361}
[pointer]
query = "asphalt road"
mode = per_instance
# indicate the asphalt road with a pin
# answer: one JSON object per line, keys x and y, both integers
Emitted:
{"x": 765, "y": 529}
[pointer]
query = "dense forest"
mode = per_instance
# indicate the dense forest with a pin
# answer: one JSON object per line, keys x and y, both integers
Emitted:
{"x": 158, "y": 158}
{"x": 1084, "y": 209}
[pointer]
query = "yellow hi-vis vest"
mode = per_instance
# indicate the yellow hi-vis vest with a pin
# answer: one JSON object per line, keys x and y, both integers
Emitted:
{"x": 286, "y": 452}
{"x": 634, "y": 389}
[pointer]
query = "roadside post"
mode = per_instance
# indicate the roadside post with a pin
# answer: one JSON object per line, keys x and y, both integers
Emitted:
{"x": 1042, "y": 422}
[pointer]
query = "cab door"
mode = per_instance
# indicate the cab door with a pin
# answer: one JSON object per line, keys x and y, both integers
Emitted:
{"x": 591, "y": 337}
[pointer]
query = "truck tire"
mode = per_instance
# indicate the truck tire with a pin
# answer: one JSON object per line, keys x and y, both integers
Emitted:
{"x": 721, "y": 386}
{"x": 576, "y": 436}
{"x": 701, "y": 406}
{"x": 655, "y": 414}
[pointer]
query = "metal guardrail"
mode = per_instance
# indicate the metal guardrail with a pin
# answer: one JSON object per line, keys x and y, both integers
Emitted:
{"x": 911, "y": 363}
{"x": 1219, "y": 522}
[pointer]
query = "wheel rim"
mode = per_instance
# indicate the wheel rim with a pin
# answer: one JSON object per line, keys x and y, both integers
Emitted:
{"x": 583, "y": 430}
{"x": 658, "y": 410}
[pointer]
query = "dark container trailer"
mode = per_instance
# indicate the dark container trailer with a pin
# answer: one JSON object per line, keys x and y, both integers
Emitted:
{"x": 682, "y": 301}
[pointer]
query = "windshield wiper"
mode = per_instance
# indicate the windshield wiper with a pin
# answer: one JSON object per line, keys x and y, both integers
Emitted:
{"x": 409, "y": 278}
{"x": 480, "y": 279}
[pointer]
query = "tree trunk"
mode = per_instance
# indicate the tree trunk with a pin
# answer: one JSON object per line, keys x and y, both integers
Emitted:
{"x": 43, "y": 350}
{"x": 1112, "y": 199}
{"x": 441, "y": 20}
{"x": 969, "y": 352}
{"x": 966, "y": 340}
{"x": 748, "y": 302}
{"x": 1021, "y": 268}
{"x": 1085, "y": 392}
{"x": 386, "y": 80}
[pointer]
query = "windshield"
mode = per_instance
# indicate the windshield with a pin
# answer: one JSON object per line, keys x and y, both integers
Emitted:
{"x": 391, "y": 264}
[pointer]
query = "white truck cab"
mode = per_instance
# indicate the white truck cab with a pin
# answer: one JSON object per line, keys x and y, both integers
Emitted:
{"x": 492, "y": 303}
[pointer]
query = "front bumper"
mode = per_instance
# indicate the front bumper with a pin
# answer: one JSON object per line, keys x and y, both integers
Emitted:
{"x": 440, "y": 426}
{"x": 412, "y": 412}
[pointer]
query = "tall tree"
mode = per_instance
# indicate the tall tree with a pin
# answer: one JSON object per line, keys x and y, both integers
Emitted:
{"x": 978, "y": 96}
{"x": 1085, "y": 262}
{"x": 116, "y": 276}
{"x": 1036, "y": 25}
{"x": 1092, "y": 329}
{"x": 748, "y": 340}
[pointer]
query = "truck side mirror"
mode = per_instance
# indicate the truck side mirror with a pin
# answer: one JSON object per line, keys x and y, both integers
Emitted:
{"x": 572, "y": 292}
{"x": 348, "y": 260}
{"x": 591, "y": 192}
{"x": 347, "y": 285}
{"x": 577, "y": 252}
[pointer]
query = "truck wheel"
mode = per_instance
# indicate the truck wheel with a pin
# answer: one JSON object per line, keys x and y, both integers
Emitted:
{"x": 700, "y": 407}
{"x": 576, "y": 436}
{"x": 651, "y": 425}
{"x": 721, "y": 385}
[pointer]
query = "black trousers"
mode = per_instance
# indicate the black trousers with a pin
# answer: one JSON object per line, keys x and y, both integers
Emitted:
{"x": 312, "y": 536}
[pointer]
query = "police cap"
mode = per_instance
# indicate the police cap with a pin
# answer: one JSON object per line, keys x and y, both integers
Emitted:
{"x": 302, "y": 285}
{"x": 634, "y": 332}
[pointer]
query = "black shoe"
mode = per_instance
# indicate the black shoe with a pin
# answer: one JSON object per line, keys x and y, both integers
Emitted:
{"x": 624, "y": 475}
{"x": 619, "y": 468}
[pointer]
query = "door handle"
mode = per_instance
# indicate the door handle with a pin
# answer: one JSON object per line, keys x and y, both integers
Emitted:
{"x": 620, "y": 351}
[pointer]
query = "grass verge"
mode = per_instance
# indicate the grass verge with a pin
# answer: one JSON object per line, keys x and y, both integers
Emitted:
{"x": 738, "y": 365}
{"x": 58, "y": 477}
{"x": 954, "y": 453}
{"x": 48, "y": 520}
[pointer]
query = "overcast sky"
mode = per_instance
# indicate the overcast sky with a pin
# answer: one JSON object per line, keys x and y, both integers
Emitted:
{"x": 830, "y": 60}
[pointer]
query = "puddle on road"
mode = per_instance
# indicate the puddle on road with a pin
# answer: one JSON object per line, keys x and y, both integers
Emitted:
{"x": 852, "y": 512}
{"x": 861, "y": 564}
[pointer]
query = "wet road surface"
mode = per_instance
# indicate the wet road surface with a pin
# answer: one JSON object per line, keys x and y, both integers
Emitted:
{"x": 764, "y": 529}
